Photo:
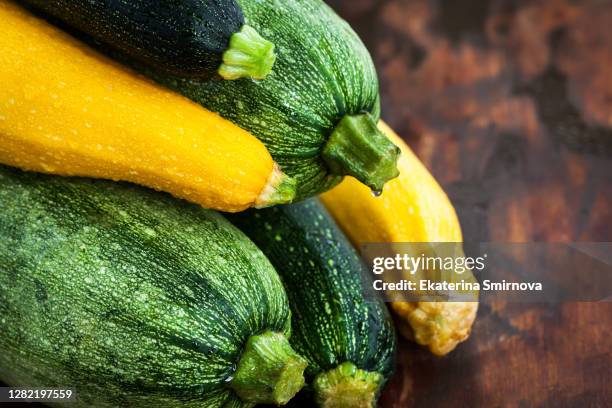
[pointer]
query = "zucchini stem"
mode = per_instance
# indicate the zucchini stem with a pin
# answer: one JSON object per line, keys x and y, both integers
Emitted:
{"x": 347, "y": 386}
{"x": 358, "y": 148}
{"x": 280, "y": 189}
{"x": 269, "y": 371}
{"x": 249, "y": 55}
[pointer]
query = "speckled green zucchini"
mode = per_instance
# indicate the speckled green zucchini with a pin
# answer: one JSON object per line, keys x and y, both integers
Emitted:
{"x": 348, "y": 340}
{"x": 136, "y": 299}
{"x": 317, "y": 111}
{"x": 188, "y": 38}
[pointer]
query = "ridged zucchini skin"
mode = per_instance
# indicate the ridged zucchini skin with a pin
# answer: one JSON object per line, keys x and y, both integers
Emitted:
{"x": 332, "y": 322}
{"x": 183, "y": 37}
{"x": 322, "y": 72}
{"x": 133, "y": 297}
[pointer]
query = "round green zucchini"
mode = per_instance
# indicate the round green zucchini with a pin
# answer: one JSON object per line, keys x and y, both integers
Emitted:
{"x": 347, "y": 338}
{"x": 136, "y": 299}
{"x": 317, "y": 111}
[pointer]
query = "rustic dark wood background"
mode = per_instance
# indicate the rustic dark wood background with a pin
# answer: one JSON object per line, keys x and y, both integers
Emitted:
{"x": 509, "y": 104}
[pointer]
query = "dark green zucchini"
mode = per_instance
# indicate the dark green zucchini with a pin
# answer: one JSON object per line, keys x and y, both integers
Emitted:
{"x": 348, "y": 339}
{"x": 136, "y": 299}
{"x": 317, "y": 111}
{"x": 187, "y": 38}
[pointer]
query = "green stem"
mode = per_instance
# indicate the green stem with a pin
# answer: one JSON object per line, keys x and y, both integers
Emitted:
{"x": 249, "y": 55}
{"x": 347, "y": 386}
{"x": 358, "y": 148}
{"x": 280, "y": 189}
{"x": 269, "y": 371}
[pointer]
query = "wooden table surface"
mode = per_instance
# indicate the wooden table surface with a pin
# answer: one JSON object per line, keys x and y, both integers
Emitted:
{"x": 509, "y": 104}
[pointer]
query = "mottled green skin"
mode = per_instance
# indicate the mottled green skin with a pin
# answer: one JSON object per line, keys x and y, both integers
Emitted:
{"x": 133, "y": 297}
{"x": 332, "y": 321}
{"x": 322, "y": 72}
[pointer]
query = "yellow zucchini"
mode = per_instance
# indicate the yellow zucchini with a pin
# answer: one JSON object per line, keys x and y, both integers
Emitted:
{"x": 65, "y": 109}
{"x": 412, "y": 208}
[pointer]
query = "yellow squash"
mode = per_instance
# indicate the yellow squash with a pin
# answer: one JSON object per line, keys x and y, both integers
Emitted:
{"x": 412, "y": 208}
{"x": 65, "y": 109}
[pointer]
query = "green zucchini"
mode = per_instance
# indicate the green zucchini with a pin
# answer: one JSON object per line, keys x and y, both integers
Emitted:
{"x": 348, "y": 339}
{"x": 317, "y": 111}
{"x": 136, "y": 299}
{"x": 187, "y": 38}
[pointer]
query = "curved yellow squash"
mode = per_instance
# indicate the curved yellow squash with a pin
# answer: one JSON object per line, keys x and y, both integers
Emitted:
{"x": 412, "y": 208}
{"x": 65, "y": 109}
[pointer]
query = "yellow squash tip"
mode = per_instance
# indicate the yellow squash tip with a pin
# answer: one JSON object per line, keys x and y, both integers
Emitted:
{"x": 279, "y": 189}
